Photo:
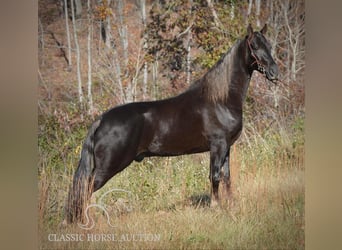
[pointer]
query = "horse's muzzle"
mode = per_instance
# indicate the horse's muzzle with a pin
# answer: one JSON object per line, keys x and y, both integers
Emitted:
{"x": 272, "y": 73}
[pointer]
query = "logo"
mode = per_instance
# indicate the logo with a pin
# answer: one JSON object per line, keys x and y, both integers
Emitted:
{"x": 121, "y": 205}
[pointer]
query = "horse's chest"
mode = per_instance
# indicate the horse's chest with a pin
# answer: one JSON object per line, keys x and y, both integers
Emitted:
{"x": 226, "y": 123}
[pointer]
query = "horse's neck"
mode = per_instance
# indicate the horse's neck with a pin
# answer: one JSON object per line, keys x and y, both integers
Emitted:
{"x": 240, "y": 77}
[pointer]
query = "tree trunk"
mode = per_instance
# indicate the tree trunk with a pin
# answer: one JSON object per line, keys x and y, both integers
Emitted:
{"x": 250, "y": 3}
{"x": 107, "y": 30}
{"x": 78, "y": 55}
{"x": 67, "y": 33}
{"x": 42, "y": 43}
{"x": 124, "y": 44}
{"x": 188, "y": 48}
{"x": 145, "y": 47}
{"x": 232, "y": 10}
{"x": 258, "y": 3}
{"x": 78, "y": 8}
{"x": 155, "y": 77}
{"x": 216, "y": 19}
{"x": 123, "y": 33}
{"x": 117, "y": 67}
{"x": 90, "y": 33}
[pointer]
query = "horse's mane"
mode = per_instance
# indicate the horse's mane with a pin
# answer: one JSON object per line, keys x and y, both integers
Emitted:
{"x": 215, "y": 83}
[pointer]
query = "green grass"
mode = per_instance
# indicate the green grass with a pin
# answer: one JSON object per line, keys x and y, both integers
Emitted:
{"x": 168, "y": 197}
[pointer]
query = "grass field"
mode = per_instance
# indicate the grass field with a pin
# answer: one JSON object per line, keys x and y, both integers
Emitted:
{"x": 166, "y": 203}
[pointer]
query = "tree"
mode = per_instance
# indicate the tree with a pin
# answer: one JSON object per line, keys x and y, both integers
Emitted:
{"x": 78, "y": 55}
{"x": 288, "y": 36}
{"x": 67, "y": 33}
{"x": 78, "y": 8}
{"x": 116, "y": 66}
{"x": 257, "y": 10}
{"x": 145, "y": 46}
{"x": 294, "y": 26}
{"x": 188, "y": 35}
{"x": 124, "y": 45}
{"x": 89, "y": 43}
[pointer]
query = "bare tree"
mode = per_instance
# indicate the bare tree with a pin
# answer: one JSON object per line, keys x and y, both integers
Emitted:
{"x": 232, "y": 10}
{"x": 114, "y": 69}
{"x": 67, "y": 33}
{"x": 108, "y": 29}
{"x": 41, "y": 40}
{"x": 257, "y": 10}
{"x": 293, "y": 14}
{"x": 90, "y": 33}
{"x": 188, "y": 45}
{"x": 123, "y": 32}
{"x": 155, "y": 69}
{"x": 287, "y": 36}
{"x": 124, "y": 43}
{"x": 216, "y": 19}
{"x": 250, "y": 3}
{"x": 78, "y": 55}
{"x": 145, "y": 46}
{"x": 78, "y": 8}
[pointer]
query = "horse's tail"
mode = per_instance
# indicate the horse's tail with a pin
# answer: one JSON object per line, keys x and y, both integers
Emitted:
{"x": 80, "y": 190}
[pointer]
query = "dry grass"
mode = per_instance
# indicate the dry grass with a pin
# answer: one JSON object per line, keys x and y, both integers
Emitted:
{"x": 168, "y": 203}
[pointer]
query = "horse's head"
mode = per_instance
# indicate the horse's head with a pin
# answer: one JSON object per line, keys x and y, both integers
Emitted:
{"x": 260, "y": 53}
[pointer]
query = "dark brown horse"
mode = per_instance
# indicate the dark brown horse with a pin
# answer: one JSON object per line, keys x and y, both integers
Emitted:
{"x": 206, "y": 117}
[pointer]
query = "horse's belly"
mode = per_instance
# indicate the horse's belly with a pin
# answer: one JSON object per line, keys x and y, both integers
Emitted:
{"x": 178, "y": 144}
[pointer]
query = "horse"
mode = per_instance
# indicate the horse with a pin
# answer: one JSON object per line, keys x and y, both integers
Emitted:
{"x": 206, "y": 117}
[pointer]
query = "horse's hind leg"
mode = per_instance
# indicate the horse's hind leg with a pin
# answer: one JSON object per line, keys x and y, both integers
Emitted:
{"x": 226, "y": 177}
{"x": 113, "y": 153}
{"x": 218, "y": 151}
{"x": 102, "y": 174}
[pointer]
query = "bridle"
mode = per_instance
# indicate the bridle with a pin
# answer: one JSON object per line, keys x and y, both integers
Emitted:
{"x": 261, "y": 66}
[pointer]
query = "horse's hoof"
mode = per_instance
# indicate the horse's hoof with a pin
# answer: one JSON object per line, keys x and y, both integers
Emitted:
{"x": 213, "y": 203}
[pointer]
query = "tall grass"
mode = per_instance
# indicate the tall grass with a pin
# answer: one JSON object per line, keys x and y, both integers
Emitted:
{"x": 167, "y": 200}
{"x": 164, "y": 202}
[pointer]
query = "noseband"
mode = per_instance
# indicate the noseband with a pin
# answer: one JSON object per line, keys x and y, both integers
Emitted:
{"x": 261, "y": 67}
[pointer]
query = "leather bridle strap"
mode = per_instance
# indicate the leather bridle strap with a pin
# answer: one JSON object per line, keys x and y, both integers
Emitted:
{"x": 261, "y": 66}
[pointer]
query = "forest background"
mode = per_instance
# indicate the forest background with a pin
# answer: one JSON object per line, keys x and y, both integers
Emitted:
{"x": 94, "y": 55}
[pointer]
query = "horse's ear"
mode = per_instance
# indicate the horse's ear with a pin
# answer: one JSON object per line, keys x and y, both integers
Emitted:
{"x": 249, "y": 30}
{"x": 264, "y": 29}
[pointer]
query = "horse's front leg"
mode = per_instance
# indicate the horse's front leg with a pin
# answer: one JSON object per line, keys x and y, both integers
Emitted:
{"x": 226, "y": 192}
{"x": 218, "y": 152}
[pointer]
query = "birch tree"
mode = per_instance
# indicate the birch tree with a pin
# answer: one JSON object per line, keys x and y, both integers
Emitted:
{"x": 124, "y": 45}
{"x": 78, "y": 8}
{"x": 67, "y": 33}
{"x": 188, "y": 46}
{"x": 123, "y": 32}
{"x": 89, "y": 44}
{"x": 78, "y": 55}
{"x": 287, "y": 36}
{"x": 213, "y": 11}
{"x": 293, "y": 14}
{"x": 41, "y": 39}
{"x": 257, "y": 10}
{"x": 145, "y": 46}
